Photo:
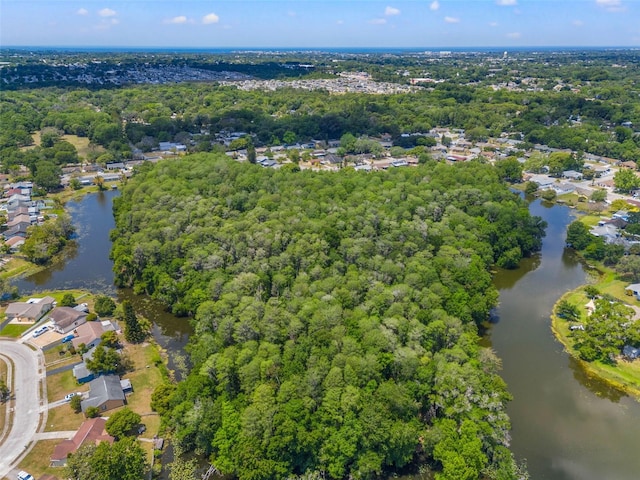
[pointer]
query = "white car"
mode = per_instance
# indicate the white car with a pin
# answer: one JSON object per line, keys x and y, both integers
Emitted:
{"x": 39, "y": 331}
{"x": 67, "y": 398}
{"x": 22, "y": 475}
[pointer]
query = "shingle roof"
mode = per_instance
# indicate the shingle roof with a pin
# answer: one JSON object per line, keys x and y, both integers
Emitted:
{"x": 65, "y": 316}
{"x": 103, "y": 389}
{"x": 91, "y": 431}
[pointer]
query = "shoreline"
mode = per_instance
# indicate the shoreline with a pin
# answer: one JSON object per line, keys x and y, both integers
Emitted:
{"x": 601, "y": 372}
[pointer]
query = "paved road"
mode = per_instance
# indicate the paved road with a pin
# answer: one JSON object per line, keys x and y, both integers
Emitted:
{"x": 28, "y": 375}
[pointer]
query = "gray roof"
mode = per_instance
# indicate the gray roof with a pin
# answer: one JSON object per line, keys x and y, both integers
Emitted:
{"x": 65, "y": 316}
{"x": 81, "y": 371}
{"x": 103, "y": 389}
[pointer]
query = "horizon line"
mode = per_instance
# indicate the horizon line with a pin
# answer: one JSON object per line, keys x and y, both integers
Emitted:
{"x": 302, "y": 48}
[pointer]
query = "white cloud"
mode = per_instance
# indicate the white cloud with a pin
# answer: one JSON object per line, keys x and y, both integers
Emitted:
{"x": 210, "y": 18}
{"x": 493, "y": 24}
{"x": 107, "y": 12}
{"x": 391, "y": 11}
{"x": 514, "y": 35}
{"x": 452, "y": 19}
{"x": 611, "y": 5}
{"x": 506, "y": 3}
{"x": 435, "y": 5}
{"x": 291, "y": 13}
{"x": 82, "y": 11}
{"x": 177, "y": 20}
{"x": 577, "y": 23}
{"x": 115, "y": 21}
{"x": 378, "y": 21}
{"x": 339, "y": 22}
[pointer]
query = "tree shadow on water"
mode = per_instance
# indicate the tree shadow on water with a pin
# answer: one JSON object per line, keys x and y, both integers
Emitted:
{"x": 594, "y": 384}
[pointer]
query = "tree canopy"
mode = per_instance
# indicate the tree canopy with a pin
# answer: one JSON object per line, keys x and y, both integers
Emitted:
{"x": 335, "y": 314}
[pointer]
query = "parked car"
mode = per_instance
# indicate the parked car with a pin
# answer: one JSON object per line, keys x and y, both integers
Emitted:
{"x": 39, "y": 331}
{"x": 68, "y": 338}
{"x": 22, "y": 475}
{"x": 67, "y": 398}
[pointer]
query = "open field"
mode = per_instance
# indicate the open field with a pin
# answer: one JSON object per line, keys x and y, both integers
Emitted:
{"x": 16, "y": 267}
{"x": 82, "y": 144}
{"x": 63, "y": 418}
{"x": 37, "y": 461}
{"x": 85, "y": 150}
{"x": 145, "y": 377}
{"x": 60, "y": 384}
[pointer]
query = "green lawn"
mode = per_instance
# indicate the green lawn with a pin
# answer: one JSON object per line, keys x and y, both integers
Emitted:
{"x": 14, "y": 330}
{"x": 60, "y": 384}
{"x": 623, "y": 375}
{"x": 37, "y": 461}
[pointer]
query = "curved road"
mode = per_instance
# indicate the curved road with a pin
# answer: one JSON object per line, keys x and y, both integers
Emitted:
{"x": 28, "y": 376}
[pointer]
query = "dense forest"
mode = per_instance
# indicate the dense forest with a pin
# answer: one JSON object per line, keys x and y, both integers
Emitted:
{"x": 336, "y": 315}
{"x": 141, "y": 116}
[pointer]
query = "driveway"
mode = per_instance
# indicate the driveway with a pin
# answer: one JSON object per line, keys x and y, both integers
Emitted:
{"x": 28, "y": 376}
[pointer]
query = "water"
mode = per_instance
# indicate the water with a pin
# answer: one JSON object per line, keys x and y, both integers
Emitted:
{"x": 86, "y": 265}
{"x": 566, "y": 425}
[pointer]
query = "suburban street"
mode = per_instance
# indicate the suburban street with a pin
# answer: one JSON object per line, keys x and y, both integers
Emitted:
{"x": 28, "y": 376}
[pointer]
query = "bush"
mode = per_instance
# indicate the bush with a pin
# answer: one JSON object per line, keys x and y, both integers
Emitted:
{"x": 68, "y": 300}
{"x": 104, "y": 306}
{"x": 76, "y": 403}
{"x": 92, "y": 412}
{"x": 549, "y": 195}
{"x": 92, "y": 317}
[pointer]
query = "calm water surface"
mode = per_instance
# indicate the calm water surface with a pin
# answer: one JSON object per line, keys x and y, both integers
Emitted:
{"x": 566, "y": 425}
{"x": 87, "y": 266}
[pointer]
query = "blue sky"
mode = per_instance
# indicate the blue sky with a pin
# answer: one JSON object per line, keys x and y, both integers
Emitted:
{"x": 316, "y": 23}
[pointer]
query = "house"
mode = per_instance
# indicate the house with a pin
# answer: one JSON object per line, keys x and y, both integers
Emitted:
{"x": 15, "y": 243}
{"x": 630, "y": 353}
{"x": 30, "y": 311}
{"x": 572, "y": 174}
{"x": 19, "y": 230}
{"x": 608, "y": 232}
{"x": 66, "y": 319}
{"x": 26, "y": 218}
{"x": 105, "y": 392}
{"x": 633, "y": 289}
{"x": 90, "y": 432}
{"x": 82, "y": 374}
{"x": 89, "y": 333}
{"x": 623, "y": 214}
{"x": 630, "y": 164}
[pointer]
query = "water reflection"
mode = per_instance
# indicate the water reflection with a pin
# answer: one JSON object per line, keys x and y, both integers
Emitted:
{"x": 601, "y": 389}
{"x": 567, "y": 425}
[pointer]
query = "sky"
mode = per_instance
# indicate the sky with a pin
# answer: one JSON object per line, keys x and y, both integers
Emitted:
{"x": 319, "y": 23}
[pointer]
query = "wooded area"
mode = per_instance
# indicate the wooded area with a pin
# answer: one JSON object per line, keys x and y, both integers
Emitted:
{"x": 336, "y": 314}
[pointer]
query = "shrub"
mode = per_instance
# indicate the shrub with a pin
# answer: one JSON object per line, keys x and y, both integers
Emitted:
{"x": 76, "y": 403}
{"x": 68, "y": 300}
{"x": 92, "y": 412}
{"x": 104, "y": 306}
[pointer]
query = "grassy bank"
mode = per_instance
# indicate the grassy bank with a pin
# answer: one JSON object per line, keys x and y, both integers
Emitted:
{"x": 623, "y": 375}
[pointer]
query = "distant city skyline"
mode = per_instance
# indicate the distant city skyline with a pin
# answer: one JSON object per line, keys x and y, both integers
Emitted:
{"x": 320, "y": 24}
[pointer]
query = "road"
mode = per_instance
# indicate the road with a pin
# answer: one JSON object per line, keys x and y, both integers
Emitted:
{"x": 28, "y": 376}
